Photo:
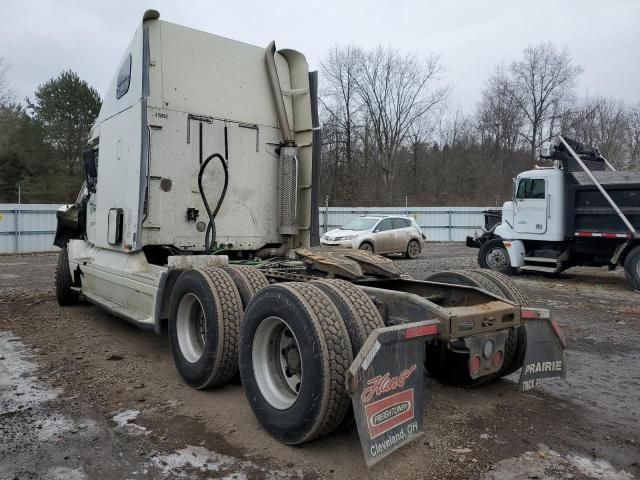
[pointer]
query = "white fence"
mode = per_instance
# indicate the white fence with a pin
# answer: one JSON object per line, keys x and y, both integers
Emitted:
{"x": 27, "y": 227}
{"x": 31, "y": 228}
{"x": 439, "y": 224}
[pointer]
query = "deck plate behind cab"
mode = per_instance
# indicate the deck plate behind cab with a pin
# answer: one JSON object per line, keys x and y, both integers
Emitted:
{"x": 348, "y": 263}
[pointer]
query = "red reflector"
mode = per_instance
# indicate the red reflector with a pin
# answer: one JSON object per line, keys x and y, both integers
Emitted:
{"x": 524, "y": 313}
{"x": 422, "y": 331}
{"x": 474, "y": 364}
{"x": 497, "y": 358}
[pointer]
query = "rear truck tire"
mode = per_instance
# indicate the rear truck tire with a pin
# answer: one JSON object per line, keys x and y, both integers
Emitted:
{"x": 451, "y": 367}
{"x": 493, "y": 255}
{"x": 413, "y": 249}
{"x": 359, "y": 314}
{"x": 357, "y": 310}
{"x": 632, "y": 268}
{"x": 511, "y": 291}
{"x": 248, "y": 281}
{"x": 367, "y": 246}
{"x": 205, "y": 310}
{"x": 64, "y": 294}
{"x": 294, "y": 356}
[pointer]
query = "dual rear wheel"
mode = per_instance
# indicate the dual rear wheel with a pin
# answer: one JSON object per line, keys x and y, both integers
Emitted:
{"x": 451, "y": 365}
{"x": 292, "y": 342}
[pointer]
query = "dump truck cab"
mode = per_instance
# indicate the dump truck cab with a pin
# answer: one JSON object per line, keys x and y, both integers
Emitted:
{"x": 532, "y": 213}
{"x": 578, "y": 212}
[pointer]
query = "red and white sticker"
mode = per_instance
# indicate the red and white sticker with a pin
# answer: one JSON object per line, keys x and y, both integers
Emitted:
{"x": 389, "y": 412}
{"x": 603, "y": 235}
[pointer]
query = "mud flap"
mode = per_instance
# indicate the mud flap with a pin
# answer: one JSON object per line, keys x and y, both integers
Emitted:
{"x": 386, "y": 384}
{"x": 545, "y": 359}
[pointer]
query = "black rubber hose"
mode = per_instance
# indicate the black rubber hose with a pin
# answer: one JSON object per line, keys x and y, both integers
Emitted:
{"x": 210, "y": 236}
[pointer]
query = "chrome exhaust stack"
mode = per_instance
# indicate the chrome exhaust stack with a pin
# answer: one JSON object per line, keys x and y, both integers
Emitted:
{"x": 288, "y": 177}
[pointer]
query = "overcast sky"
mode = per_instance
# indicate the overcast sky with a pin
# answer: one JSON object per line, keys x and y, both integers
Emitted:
{"x": 39, "y": 39}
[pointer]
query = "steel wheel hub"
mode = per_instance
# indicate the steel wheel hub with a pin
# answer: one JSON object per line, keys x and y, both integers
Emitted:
{"x": 497, "y": 258}
{"x": 191, "y": 328}
{"x": 277, "y": 363}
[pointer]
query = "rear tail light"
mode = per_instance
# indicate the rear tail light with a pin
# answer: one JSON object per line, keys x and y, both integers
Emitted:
{"x": 497, "y": 358}
{"x": 474, "y": 365}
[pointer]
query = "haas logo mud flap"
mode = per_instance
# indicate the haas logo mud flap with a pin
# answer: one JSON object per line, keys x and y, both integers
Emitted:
{"x": 386, "y": 382}
{"x": 545, "y": 360}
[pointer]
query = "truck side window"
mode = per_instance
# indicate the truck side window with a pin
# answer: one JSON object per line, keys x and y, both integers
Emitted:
{"x": 124, "y": 78}
{"x": 531, "y": 188}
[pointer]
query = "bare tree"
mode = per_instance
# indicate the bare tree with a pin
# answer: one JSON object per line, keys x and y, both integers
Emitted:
{"x": 6, "y": 93}
{"x": 397, "y": 91}
{"x": 339, "y": 96}
{"x": 632, "y": 137}
{"x": 499, "y": 118}
{"x": 341, "y": 104}
{"x": 601, "y": 122}
{"x": 539, "y": 83}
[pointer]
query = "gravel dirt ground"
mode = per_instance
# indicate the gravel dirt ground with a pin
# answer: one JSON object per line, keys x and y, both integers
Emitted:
{"x": 85, "y": 395}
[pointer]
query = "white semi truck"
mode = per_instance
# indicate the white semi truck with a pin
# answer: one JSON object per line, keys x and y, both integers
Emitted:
{"x": 578, "y": 212}
{"x": 197, "y": 219}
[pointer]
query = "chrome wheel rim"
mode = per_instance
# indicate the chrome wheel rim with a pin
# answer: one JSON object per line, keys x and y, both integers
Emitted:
{"x": 413, "y": 249}
{"x": 277, "y": 363}
{"x": 366, "y": 247}
{"x": 497, "y": 258}
{"x": 191, "y": 328}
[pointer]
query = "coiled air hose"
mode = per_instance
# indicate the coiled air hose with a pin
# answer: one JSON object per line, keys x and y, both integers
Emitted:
{"x": 210, "y": 236}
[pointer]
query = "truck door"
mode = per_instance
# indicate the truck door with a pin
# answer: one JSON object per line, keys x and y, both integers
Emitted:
{"x": 531, "y": 206}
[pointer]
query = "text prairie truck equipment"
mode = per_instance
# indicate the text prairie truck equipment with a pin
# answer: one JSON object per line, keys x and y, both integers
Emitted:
{"x": 196, "y": 217}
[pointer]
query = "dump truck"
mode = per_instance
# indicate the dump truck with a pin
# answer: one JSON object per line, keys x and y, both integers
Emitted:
{"x": 197, "y": 219}
{"x": 580, "y": 211}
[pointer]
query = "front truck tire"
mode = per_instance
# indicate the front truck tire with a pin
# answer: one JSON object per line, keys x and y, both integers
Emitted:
{"x": 493, "y": 255}
{"x": 294, "y": 356}
{"x": 632, "y": 268}
{"x": 450, "y": 367}
{"x": 65, "y": 295}
{"x": 205, "y": 311}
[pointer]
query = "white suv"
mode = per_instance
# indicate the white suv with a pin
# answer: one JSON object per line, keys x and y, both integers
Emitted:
{"x": 379, "y": 234}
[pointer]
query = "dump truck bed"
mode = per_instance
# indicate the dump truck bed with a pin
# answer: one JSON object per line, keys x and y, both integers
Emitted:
{"x": 588, "y": 211}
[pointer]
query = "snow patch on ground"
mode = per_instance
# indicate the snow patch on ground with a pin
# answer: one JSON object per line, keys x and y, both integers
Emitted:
{"x": 181, "y": 462}
{"x": 64, "y": 473}
{"x": 126, "y": 420}
{"x": 53, "y": 427}
{"x": 547, "y": 464}
{"x": 193, "y": 457}
{"x": 598, "y": 468}
{"x": 19, "y": 388}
